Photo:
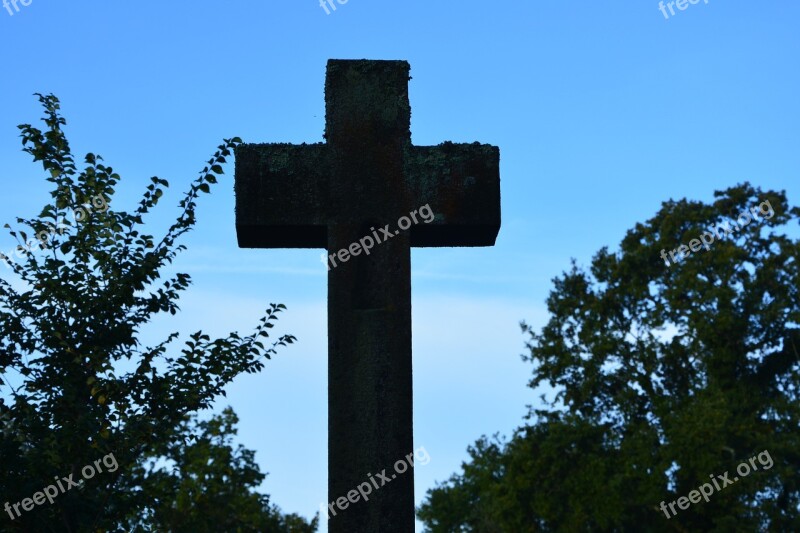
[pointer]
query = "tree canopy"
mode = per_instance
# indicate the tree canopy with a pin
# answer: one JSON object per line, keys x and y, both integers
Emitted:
{"x": 78, "y": 387}
{"x": 668, "y": 374}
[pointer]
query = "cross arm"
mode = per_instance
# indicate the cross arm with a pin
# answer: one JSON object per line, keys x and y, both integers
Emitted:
{"x": 461, "y": 183}
{"x": 281, "y": 195}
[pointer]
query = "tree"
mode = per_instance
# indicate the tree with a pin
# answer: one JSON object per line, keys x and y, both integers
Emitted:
{"x": 669, "y": 373}
{"x": 78, "y": 386}
{"x": 210, "y": 485}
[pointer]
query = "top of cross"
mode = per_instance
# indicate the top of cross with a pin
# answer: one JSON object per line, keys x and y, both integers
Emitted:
{"x": 287, "y": 195}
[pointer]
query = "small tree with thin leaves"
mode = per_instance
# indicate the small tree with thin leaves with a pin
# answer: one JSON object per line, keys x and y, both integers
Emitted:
{"x": 70, "y": 324}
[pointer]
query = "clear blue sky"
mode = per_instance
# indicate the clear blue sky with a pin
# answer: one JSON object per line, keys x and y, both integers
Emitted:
{"x": 601, "y": 111}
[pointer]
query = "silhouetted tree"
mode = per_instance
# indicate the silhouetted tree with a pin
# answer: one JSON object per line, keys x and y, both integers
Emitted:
{"x": 208, "y": 486}
{"x": 666, "y": 375}
{"x": 78, "y": 386}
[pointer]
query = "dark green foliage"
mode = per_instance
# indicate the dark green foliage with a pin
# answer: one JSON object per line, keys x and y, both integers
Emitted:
{"x": 77, "y": 384}
{"x": 210, "y": 486}
{"x": 665, "y": 375}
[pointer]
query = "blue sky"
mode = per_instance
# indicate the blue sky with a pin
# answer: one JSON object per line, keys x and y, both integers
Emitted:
{"x": 601, "y": 112}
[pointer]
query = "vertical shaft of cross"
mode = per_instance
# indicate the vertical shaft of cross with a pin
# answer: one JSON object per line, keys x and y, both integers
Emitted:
{"x": 369, "y": 299}
{"x": 369, "y": 386}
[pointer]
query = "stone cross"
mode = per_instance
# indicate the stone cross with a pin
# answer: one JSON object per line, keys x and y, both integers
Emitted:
{"x": 362, "y": 182}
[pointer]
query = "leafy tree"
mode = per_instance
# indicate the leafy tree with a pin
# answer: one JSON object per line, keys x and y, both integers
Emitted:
{"x": 210, "y": 485}
{"x": 665, "y": 375}
{"x": 77, "y": 384}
